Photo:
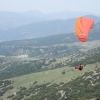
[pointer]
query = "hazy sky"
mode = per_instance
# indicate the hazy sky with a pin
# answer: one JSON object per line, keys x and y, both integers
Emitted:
{"x": 47, "y": 6}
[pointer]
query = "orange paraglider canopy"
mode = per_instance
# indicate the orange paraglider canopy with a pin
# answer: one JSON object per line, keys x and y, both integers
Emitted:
{"x": 83, "y": 27}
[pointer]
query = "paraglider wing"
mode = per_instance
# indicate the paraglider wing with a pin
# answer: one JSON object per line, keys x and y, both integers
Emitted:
{"x": 83, "y": 27}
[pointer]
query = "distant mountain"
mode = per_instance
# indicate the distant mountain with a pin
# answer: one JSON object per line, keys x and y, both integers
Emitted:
{"x": 11, "y": 19}
{"x": 39, "y": 29}
{"x": 68, "y": 14}
{"x": 34, "y": 13}
{"x": 56, "y": 15}
{"x": 95, "y": 18}
{"x": 42, "y": 29}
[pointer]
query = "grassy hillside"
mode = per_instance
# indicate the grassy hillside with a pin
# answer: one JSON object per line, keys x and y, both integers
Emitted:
{"x": 85, "y": 87}
{"x": 53, "y": 81}
{"x": 9, "y": 65}
{"x": 48, "y": 77}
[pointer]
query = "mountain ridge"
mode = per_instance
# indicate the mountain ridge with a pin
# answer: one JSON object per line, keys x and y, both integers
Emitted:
{"x": 41, "y": 29}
